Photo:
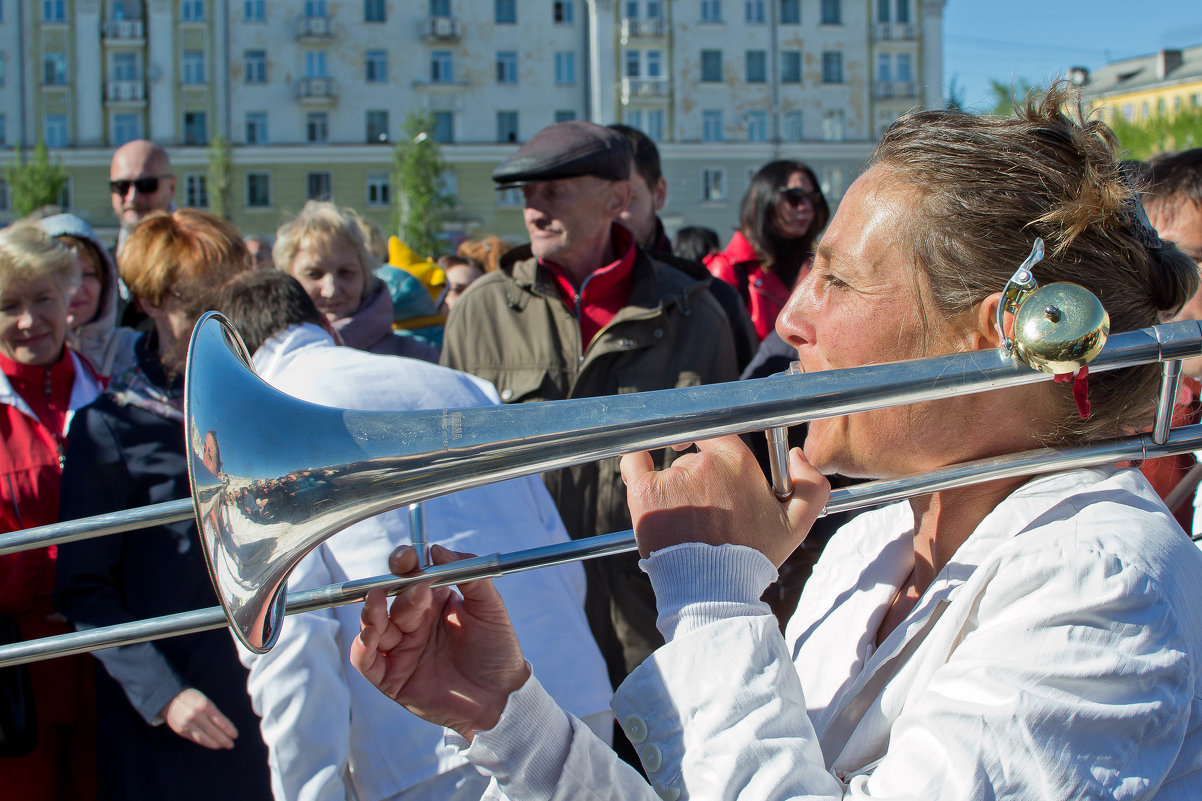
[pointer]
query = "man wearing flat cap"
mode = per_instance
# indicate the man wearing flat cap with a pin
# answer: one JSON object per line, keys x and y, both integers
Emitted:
{"x": 582, "y": 311}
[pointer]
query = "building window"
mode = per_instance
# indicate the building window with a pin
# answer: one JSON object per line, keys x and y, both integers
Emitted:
{"x": 832, "y": 12}
{"x": 654, "y": 64}
{"x": 375, "y": 11}
{"x": 711, "y": 125}
{"x": 3, "y": 131}
{"x": 757, "y": 126}
{"x": 3, "y": 58}
{"x": 126, "y": 128}
{"x": 633, "y": 64}
{"x": 377, "y": 66}
{"x": 317, "y": 186}
{"x": 440, "y": 8}
{"x": 561, "y": 115}
{"x": 654, "y": 10}
{"x": 192, "y": 10}
{"x": 790, "y": 66}
{"x": 713, "y": 184}
{"x": 565, "y": 68}
{"x": 754, "y": 11}
{"x": 258, "y": 190}
{"x": 832, "y": 67}
{"x": 905, "y": 67}
{"x": 511, "y": 197}
{"x": 254, "y": 11}
{"x": 563, "y": 12}
{"x": 317, "y": 128}
{"x": 256, "y": 128}
{"x": 507, "y": 67}
{"x": 377, "y": 126}
{"x": 711, "y": 10}
{"x": 125, "y": 67}
{"x": 633, "y": 117}
{"x": 196, "y": 190}
{"x": 832, "y": 182}
{"x": 193, "y": 66}
{"x": 884, "y": 67}
{"x": 255, "y": 62}
{"x": 790, "y": 12}
{"x": 507, "y": 126}
{"x": 791, "y": 126}
{"x": 506, "y": 12}
{"x": 54, "y": 11}
{"x": 315, "y": 64}
{"x": 196, "y": 128}
{"x": 444, "y": 127}
{"x": 711, "y": 66}
{"x": 832, "y": 125}
{"x": 54, "y": 69}
{"x": 757, "y": 66}
{"x": 903, "y": 10}
{"x": 655, "y": 125}
{"x": 5, "y": 196}
{"x": 631, "y": 10}
{"x": 379, "y": 189}
{"x": 884, "y": 11}
{"x": 315, "y": 8}
{"x": 441, "y": 68}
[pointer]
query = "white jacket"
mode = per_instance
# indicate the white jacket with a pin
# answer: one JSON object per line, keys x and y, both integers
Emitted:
{"x": 1057, "y": 656}
{"x": 330, "y": 733}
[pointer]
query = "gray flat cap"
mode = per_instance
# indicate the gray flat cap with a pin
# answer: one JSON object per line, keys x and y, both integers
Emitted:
{"x": 566, "y": 150}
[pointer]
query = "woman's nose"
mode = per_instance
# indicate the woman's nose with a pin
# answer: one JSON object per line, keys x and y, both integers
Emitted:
{"x": 327, "y": 286}
{"x": 25, "y": 318}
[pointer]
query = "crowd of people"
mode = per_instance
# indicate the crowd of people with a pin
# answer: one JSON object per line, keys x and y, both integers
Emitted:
{"x": 1025, "y": 638}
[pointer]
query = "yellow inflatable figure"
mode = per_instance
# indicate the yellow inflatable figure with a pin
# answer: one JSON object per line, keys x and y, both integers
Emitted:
{"x": 425, "y": 270}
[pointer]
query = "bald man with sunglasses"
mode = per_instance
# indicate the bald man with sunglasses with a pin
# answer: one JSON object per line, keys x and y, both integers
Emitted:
{"x": 140, "y": 181}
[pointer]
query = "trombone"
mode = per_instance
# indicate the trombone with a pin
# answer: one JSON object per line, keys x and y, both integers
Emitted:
{"x": 261, "y": 507}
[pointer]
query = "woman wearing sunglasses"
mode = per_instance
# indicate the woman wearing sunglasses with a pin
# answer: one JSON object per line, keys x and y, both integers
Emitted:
{"x": 779, "y": 222}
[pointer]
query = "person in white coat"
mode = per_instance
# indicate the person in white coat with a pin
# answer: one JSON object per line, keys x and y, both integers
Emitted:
{"x": 330, "y": 733}
{"x": 1027, "y": 638}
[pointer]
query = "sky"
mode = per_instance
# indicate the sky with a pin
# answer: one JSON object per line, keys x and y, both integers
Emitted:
{"x": 1038, "y": 40}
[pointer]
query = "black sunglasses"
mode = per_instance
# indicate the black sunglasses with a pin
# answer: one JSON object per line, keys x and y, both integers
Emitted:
{"x": 795, "y": 196}
{"x": 145, "y": 186}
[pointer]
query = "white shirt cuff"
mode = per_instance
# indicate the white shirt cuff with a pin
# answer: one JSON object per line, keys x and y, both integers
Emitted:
{"x": 696, "y": 584}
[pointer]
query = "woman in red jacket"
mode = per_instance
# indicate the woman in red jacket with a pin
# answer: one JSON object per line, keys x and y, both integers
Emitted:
{"x": 42, "y": 382}
{"x": 780, "y": 218}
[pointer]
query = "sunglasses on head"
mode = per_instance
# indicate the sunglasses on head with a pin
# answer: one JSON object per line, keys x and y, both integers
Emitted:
{"x": 145, "y": 186}
{"x": 795, "y": 196}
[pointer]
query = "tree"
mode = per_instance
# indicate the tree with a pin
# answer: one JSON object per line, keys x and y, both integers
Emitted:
{"x": 219, "y": 176}
{"x": 36, "y": 182}
{"x": 1159, "y": 134}
{"x": 422, "y": 203}
{"x": 955, "y": 95}
{"x": 1006, "y": 98}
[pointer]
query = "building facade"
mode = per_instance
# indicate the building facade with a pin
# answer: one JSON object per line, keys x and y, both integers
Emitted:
{"x": 313, "y": 94}
{"x": 1137, "y": 89}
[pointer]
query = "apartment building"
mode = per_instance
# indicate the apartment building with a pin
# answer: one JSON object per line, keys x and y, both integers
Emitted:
{"x": 1137, "y": 89}
{"x": 312, "y": 94}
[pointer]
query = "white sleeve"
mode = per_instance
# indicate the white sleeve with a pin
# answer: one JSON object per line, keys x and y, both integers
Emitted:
{"x": 300, "y": 691}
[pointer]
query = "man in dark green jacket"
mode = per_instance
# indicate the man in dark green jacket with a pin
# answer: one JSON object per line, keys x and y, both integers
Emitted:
{"x": 580, "y": 312}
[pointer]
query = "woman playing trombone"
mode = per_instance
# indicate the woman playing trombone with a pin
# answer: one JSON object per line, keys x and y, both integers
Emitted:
{"x": 1026, "y": 638}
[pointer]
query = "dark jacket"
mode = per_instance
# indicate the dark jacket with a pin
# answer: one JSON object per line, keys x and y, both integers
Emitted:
{"x": 511, "y": 328}
{"x": 122, "y": 457}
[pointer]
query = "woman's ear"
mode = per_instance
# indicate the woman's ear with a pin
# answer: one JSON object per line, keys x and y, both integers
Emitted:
{"x": 984, "y": 334}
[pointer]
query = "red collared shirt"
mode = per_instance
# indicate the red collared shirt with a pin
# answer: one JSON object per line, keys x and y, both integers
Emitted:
{"x": 603, "y": 293}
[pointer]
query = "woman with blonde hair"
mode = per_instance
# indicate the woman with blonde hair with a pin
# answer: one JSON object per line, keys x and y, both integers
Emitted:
{"x": 42, "y": 384}
{"x": 323, "y": 249}
{"x": 128, "y": 450}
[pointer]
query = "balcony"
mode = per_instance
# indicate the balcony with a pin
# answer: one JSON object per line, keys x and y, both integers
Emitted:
{"x": 314, "y": 29}
{"x": 642, "y": 29}
{"x": 894, "y": 90}
{"x": 644, "y": 89}
{"x": 125, "y": 92}
{"x": 440, "y": 29}
{"x": 124, "y": 31}
{"x": 317, "y": 91}
{"x": 896, "y": 32}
